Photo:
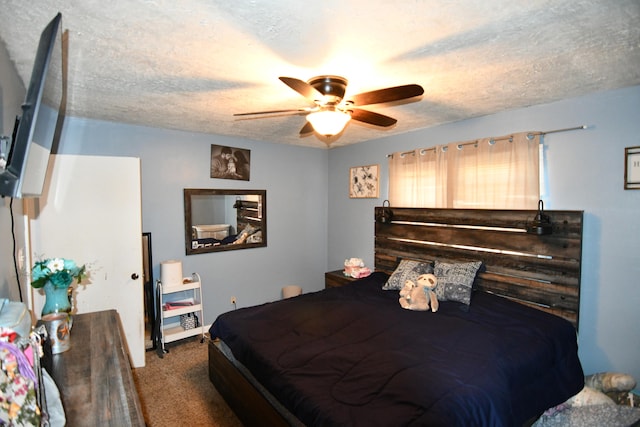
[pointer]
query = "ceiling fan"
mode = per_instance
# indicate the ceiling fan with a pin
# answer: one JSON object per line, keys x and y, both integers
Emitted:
{"x": 332, "y": 111}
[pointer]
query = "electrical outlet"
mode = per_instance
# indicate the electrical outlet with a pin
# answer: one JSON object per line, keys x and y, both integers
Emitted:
{"x": 233, "y": 300}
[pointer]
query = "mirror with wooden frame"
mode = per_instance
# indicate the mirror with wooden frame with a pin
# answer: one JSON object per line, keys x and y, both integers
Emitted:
{"x": 224, "y": 220}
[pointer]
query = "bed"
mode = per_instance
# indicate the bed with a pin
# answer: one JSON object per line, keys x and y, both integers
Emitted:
{"x": 351, "y": 355}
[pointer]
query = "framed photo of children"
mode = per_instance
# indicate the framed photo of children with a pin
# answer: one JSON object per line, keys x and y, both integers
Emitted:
{"x": 363, "y": 182}
{"x": 230, "y": 163}
{"x": 632, "y": 168}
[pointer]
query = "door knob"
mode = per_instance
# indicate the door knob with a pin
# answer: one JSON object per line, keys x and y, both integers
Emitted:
{"x": 135, "y": 276}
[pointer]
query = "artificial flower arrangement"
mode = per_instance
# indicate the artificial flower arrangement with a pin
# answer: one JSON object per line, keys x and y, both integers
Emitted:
{"x": 59, "y": 271}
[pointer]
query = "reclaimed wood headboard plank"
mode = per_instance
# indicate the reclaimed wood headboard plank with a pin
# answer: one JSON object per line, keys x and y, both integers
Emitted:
{"x": 541, "y": 271}
{"x": 564, "y": 271}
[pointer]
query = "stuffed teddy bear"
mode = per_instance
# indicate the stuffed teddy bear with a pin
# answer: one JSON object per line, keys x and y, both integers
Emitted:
{"x": 420, "y": 295}
{"x": 413, "y": 297}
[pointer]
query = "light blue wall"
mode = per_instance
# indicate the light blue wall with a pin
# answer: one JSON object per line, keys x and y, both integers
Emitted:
{"x": 584, "y": 172}
{"x": 296, "y": 182}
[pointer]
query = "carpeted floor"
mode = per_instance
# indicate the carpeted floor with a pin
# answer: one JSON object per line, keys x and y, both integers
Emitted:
{"x": 176, "y": 390}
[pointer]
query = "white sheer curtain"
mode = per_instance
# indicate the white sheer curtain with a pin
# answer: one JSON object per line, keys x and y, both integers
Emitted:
{"x": 501, "y": 173}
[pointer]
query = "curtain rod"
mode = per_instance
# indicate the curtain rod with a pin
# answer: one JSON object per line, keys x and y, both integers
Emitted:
{"x": 564, "y": 130}
{"x": 503, "y": 138}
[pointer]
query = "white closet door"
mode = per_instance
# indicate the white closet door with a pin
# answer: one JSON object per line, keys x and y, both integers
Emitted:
{"x": 91, "y": 213}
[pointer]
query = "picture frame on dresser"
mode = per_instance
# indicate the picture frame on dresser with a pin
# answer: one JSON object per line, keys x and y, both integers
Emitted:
{"x": 364, "y": 182}
{"x": 632, "y": 168}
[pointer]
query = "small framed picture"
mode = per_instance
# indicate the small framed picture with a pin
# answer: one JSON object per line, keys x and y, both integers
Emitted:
{"x": 363, "y": 182}
{"x": 230, "y": 163}
{"x": 632, "y": 168}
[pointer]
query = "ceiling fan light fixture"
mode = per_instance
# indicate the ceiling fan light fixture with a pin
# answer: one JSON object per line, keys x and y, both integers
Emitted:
{"x": 332, "y": 111}
{"x": 328, "y": 122}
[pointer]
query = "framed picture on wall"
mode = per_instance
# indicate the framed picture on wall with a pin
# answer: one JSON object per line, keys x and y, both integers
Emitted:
{"x": 364, "y": 182}
{"x": 230, "y": 163}
{"x": 632, "y": 168}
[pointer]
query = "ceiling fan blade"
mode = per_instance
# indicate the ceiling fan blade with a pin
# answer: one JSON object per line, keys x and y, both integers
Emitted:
{"x": 389, "y": 94}
{"x": 303, "y": 88}
{"x": 292, "y": 111}
{"x": 306, "y": 129}
{"x": 372, "y": 118}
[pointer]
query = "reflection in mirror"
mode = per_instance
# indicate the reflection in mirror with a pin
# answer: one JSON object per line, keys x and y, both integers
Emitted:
{"x": 222, "y": 220}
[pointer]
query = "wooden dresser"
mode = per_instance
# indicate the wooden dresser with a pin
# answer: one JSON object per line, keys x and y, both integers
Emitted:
{"x": 94, "y": 376}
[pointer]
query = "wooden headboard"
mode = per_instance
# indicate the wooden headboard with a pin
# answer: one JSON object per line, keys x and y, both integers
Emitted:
{"x": 249, "y": 213}
{"x": 542, "y": 271}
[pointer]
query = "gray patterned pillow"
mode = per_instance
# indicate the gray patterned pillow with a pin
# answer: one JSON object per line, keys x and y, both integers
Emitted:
{"x": 455, "y": 281}
{"x": 407, "y": 270}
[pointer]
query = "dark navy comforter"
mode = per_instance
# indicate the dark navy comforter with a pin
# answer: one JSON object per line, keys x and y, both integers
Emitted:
{"x": 351, "y": 356}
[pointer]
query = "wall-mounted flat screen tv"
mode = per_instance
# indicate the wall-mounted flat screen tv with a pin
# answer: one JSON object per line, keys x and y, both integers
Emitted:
{"x": 35, "y": 129}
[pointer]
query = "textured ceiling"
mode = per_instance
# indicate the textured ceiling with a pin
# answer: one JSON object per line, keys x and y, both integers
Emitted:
{"x": 191, "y": 64}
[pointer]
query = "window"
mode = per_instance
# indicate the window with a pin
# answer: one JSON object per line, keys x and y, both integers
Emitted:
{"x": 501, "y": 173}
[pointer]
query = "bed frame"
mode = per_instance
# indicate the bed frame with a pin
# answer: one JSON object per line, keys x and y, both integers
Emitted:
{"x": 542, "y": 271}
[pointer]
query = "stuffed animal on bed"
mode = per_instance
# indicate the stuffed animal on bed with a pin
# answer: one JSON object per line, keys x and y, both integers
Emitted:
{"x": 413, "y": 297}
{"x": 420, "y": 295}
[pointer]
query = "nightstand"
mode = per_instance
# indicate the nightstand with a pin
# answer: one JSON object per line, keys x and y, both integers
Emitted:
{"x": 334, "y": 279}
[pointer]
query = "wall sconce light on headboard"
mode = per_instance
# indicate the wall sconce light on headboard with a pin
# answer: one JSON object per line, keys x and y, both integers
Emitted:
{"x": 541, "y": 224}
{"x": 385, "y": 214}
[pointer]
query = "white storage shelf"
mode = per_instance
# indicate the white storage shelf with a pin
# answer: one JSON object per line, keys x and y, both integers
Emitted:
{"x": 178, "y": 311}
{"x": 170, "y": 327}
